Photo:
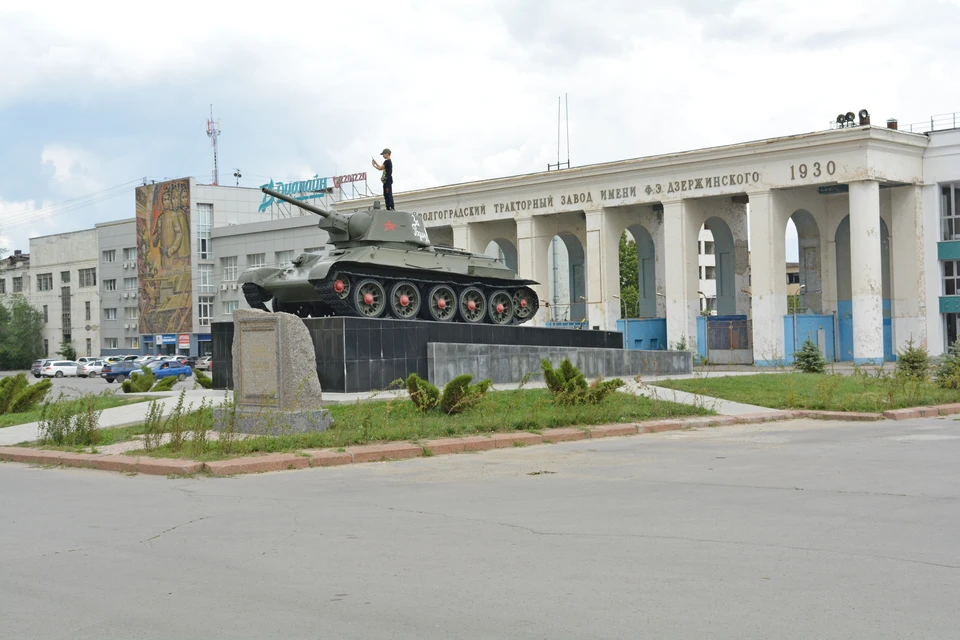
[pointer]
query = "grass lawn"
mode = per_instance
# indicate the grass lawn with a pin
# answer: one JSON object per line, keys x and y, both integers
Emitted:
{"x": 830, "y": 392}
{"x": 398, "y": 420}
{"x": 103, "y": 402}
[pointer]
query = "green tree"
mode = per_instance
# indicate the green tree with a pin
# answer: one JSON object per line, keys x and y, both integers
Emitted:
{"x": 21, "y": 334}
{"x": 67, "y": 351}
{"x": 629, "y": 277}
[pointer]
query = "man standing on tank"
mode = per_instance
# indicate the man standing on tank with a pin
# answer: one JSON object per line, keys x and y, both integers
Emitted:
{"x": 386, "y": 177}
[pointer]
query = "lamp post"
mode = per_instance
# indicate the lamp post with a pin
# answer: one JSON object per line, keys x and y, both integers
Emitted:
{"x": 626, "y": 322}
{"x": 795, "y": 317}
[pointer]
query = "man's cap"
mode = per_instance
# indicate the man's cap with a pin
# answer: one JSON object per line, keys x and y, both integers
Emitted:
{"x": 385, "y": 151}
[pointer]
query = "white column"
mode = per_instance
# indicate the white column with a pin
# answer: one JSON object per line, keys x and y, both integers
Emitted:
{"x": 769, "y": 285}
{"x": 532, "y": 263}
{"x": 865, "y": 272}
{"x": 461, "y": 236}
{"x": 603, "y": 271}
{"x": 908, "y": 292}
{"x": 681, "y": 274}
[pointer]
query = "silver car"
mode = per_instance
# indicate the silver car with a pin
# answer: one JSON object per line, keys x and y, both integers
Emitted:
{"x": 90, "y": 369}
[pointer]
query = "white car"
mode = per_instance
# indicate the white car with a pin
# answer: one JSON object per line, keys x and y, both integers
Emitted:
{"x": 59, "y": 368}
{"x": 90, "y": 369}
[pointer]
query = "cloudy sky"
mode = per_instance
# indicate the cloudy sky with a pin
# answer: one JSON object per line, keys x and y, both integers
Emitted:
{"x": 95, "y": 96}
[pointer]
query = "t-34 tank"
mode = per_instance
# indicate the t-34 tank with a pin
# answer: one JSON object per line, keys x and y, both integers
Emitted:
{"x": 382, "y": 264}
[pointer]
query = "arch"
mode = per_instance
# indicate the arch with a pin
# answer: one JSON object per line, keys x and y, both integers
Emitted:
{"x": 646, "y": 271}
{"x": 566, "y": 278}
{"x": 723, "y": 269}
{"x": 845, "y": 289}
{"x": 809, "y": 285}
{"x": 503, "y": 250}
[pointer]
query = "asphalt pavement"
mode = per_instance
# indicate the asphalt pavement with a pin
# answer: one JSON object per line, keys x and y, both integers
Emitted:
{"x": 801, "y": 529}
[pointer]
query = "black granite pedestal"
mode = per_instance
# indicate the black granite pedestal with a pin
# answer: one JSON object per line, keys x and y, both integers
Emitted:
{"x": 360, "y": 354}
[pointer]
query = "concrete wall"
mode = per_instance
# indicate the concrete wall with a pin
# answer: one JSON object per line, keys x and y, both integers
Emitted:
{"x": 509, "y": 364}
{"x": 117, "y": 237}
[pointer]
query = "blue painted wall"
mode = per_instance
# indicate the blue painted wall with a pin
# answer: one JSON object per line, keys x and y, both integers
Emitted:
{"x": 807, "y": 327}
{"x": 649, "y": 333}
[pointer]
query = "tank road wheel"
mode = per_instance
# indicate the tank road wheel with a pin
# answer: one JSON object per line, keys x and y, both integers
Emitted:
{"x": 441, "y": 303}
{"x": 500, "y": 309}
{"x": 341, "y": 285}
{"x": 524, "y": 303}
{"x": 370, "y": 299}
{"x": 473, "y": 305}
{"x": 404, "y": 300}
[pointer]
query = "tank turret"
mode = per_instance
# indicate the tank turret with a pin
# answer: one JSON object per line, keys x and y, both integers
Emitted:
{"x": 374, "y": 226}
{"x": 382, "y": 264}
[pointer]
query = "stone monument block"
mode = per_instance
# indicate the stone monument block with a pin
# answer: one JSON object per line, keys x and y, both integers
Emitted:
{"x": 275, "y": 384}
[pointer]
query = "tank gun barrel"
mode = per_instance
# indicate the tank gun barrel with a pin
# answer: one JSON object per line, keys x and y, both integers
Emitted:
{"x": 297, "y": 203}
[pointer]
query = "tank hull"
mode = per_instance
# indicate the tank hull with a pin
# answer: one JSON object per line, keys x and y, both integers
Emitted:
{"x": 377, "y": 281}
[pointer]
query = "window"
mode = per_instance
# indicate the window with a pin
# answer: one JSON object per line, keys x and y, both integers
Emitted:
{"x": 283, "y": 257}
{"x": 130, "y": 284}
{"x": 46, "y": 317}
{"x": 110, "y": 256}
{"x": 45, "y": 282}
{"x": 229, "y": 306}
{"x": 133, "y": 343}
{"x": 793, "y": 278}
{"x": 88, "y": 277}
{"x": 130, "y": 254}
{"x": 131, "y": 313}
{"x": 110, "y": 314}
{"x": 708, "y": 248}
{"x": 3, "y": 285}
{"x": 64, "y": 277}
{"x": 950, "y": 211}
{"x": 256, "y": 260}
{"x": 89, "y": 347}
{"x": 205, "y": 310}
{"x": 206, "y": 277}
{"x": 951, "y": 274}
{"x": 18, "y": 284}
{"x": 86, "y": 310}
{"x": 710, "y": 273}
{"x": 230, "y": 271}
{"x": 65, "y": 317}
{"x": 204, "y": 227}
{"x": 110, "y": 285}
{"x": 110, "y": 343}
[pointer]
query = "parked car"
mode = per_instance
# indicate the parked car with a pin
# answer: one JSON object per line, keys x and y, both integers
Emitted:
{"x": 164, "y": 369}
{"x": 203, "y": 364}
{"x": 37, "y": 366}
{"x": 190, "y": 361}
{"x": 91, "y": 369}
{"x": 118, "y": 371}
{"x": 59, "y": 368}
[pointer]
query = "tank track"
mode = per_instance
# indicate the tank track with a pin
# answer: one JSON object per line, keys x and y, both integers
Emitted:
{"x": 387, "y": 277}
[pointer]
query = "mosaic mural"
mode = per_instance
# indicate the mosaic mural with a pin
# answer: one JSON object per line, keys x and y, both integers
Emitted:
{"x": 163, "y": 257}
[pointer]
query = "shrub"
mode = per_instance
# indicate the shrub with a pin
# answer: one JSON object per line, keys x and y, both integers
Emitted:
{"x": 425, "y": 396}
{"x": 569, "y": 386}
{"x": 948, "y": 371}
{"x": 203, "y": 379}
{"x": 30, "y": 397}
{"x": 809, "y": 359}
{"x": 10, "y": 387}
{"x": 70, "y": 423}
{"x": 459, "y": 395}
{"x": 913, "y": 363}
{"x": 140, "y": 383}
{"x": 165, "y": 384}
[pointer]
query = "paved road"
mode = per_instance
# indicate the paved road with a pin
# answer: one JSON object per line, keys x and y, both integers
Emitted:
{"x": 74, "y": 387}
{"x": 791, "y": 530}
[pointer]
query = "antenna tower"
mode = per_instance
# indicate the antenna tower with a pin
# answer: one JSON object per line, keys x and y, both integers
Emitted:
{"x": 213, "y": 131}
{"x": 567, "y": 109}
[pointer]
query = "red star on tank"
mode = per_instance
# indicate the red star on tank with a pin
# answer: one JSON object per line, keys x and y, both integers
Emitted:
{"x": 389, "y": 226}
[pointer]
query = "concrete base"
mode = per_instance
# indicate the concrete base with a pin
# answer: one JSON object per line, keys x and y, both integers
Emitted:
{"x": 510, "y": 363}
{"x": 273, "y": 423}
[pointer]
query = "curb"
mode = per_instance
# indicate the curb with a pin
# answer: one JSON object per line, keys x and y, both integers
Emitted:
{"x": 309, "y": 458}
